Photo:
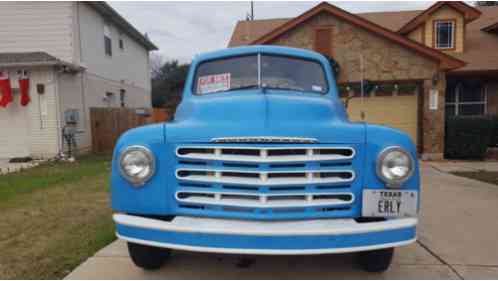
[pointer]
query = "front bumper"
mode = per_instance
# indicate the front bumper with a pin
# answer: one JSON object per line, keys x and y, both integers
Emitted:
{"x": 321, "y": 236}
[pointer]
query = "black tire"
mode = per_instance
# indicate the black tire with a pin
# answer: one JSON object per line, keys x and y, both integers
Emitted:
{"x": 377, "y": 260}
{"x": 148, "y": 257}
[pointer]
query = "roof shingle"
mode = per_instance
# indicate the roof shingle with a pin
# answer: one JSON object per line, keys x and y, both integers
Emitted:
{"x": 26, "y": 58}
{"x": 247, "y": 31}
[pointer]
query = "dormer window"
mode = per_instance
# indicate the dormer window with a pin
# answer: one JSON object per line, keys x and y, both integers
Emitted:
{"x": 445, "y": 34}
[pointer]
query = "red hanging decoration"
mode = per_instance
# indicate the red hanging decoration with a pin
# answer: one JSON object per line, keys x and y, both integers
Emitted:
{"x": 5, "y": 89}
{"x": 24, "y": 87}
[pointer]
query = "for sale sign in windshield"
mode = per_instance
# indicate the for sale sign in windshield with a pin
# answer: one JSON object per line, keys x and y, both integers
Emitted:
{"x": 213, "y": 83}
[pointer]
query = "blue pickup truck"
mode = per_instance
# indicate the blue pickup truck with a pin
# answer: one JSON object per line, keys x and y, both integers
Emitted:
{"x": 262, "y": 159}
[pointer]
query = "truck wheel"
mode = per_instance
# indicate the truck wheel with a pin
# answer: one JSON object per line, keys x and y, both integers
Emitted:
{"x": 377, "y": 260}
{"x": 148, "y": 257}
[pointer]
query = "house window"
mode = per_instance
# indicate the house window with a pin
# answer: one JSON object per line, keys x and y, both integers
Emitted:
{"x": 121, "y": 42}
{"x": 466, "y": 98}
{"x": 122, "y": 96}
{"x": 445, "y": 34}
{"x": 107, "y": 40}
{"x": 108, "y": 98}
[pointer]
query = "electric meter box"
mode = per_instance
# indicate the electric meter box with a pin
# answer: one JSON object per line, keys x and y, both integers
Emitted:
{"x": 72, "y": 116}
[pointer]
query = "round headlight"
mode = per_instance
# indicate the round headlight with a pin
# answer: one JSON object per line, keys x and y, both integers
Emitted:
{"x": 394, "y": 166}
{"x": 137, "y": 164}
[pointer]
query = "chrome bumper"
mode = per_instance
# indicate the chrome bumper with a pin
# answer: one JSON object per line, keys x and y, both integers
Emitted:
{"x": 318, "y": 236}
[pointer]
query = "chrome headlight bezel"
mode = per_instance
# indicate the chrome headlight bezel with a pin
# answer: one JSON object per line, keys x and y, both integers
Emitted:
{"x": 394, "y": 183}
{"x": 137, "y": 182}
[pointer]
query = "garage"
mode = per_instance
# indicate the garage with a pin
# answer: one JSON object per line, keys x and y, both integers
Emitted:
{"x": 399, "y": 111}
{"x": 14, "y": 135}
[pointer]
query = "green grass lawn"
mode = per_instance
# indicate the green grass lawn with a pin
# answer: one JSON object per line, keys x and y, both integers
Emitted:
{"x": 489, "y": 177}
{"x": 54, "y": 216}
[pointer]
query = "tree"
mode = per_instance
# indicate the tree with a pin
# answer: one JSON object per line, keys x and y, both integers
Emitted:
{"x": 486, "y": 3}
{"x": 167, "y": 83}
{"x": 156, "y": 62}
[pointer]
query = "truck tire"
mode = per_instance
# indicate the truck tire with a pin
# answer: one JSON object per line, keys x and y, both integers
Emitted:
{"x": 148, "y": 257}
{"x": 376, "y": 260}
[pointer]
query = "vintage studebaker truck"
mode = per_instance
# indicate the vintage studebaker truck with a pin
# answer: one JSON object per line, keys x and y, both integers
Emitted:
{"x": 261, "y": 159}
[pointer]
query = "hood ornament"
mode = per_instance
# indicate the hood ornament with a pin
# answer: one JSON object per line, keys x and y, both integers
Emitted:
{"x": 264, "y": 139}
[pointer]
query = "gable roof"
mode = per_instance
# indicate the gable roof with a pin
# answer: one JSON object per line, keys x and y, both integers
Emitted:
{"x": 391, "y": 20}
{"x": 480, "y": 47}
{"x": 109, "y": 13}
{"x": 470, "y": 13}
{"x": 446, "y": 61}
{"x": 246, "y": 31}
{"x": 491, "y": 28}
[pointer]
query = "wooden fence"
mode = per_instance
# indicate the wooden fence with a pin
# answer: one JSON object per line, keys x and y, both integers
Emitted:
{"x": 109, "y": 123}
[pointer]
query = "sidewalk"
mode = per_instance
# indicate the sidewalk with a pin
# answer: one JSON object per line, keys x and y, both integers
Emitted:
{"x": 463, "y": 166}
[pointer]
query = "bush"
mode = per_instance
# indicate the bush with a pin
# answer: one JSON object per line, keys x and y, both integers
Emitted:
{"x": 494, "y": 132}
{"x": 468, "y": 137}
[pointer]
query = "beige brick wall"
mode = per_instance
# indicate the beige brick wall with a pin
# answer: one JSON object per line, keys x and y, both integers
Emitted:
{"x": 433, "y": 121}
{"x": 383, "y": 59}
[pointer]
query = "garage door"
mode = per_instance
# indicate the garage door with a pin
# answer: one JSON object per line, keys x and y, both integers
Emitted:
{"x": 13, "y": 130}
{"x": 398, "y": 112}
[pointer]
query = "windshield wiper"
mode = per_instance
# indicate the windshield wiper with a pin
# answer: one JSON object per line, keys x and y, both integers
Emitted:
{"x": 245, "y": 87}
{"x": 282, "y": 88}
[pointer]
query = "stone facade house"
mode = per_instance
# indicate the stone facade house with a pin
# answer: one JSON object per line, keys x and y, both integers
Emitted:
{"x": 417, "y": 66}
{"x": 75, "y": 55}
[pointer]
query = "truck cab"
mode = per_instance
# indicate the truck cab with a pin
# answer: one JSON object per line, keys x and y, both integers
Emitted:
{"x": 262, "y": 159}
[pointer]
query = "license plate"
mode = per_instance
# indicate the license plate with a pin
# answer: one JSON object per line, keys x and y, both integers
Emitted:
{"x": 389, "y": 203}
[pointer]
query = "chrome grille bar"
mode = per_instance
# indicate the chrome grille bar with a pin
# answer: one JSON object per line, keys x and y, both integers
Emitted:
{"x": 265, "y": 200}
{"x": 264, "y": 139}
{"x": 265, "y": 154}
{"x": 265, "y": 178}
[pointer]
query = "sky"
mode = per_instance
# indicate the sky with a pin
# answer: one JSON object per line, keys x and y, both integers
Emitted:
{"x": 183, "y": 29}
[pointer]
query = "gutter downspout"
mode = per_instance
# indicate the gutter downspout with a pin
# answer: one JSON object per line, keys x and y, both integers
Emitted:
{"x": 82, "y": 76}
{"x": 57, "y": 109}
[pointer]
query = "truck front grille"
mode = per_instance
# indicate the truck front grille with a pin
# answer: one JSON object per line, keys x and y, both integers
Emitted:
{"x": 276, "y": 181}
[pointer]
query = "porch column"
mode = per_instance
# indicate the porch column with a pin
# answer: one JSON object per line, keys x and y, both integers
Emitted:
{"x": 433, "y": 119}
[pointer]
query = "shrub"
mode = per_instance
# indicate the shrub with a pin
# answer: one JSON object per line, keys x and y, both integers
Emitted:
{"x": 494, "y": 132}
{"x": 468, "y": 137}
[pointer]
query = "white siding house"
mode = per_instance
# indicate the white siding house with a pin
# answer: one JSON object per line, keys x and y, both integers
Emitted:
{"x": 37, "y": 26}
{"x": 69, "y": 68}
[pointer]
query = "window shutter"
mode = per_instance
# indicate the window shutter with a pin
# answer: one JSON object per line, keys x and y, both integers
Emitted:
{"x": 323, "y": 41}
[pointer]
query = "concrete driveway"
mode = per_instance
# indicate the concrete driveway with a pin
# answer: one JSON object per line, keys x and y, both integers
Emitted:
{"x": 458, "y": 239}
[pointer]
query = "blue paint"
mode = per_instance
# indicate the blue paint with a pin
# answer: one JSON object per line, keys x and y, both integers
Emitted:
{"x": 277, "y": 113}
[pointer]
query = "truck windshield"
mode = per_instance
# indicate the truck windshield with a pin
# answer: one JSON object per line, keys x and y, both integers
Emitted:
{"x": 268, "y": 71}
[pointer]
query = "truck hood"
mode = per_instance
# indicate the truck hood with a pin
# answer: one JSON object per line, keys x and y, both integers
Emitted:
{"x": 257, "y": 114}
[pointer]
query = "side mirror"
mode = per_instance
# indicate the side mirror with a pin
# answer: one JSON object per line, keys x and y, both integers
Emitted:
{"x": 336, "y": 68}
